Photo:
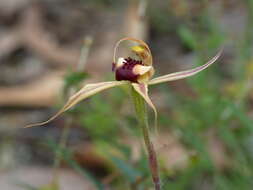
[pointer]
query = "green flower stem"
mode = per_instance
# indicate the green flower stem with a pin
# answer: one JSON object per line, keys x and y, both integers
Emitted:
{"x": 141, "y": 112}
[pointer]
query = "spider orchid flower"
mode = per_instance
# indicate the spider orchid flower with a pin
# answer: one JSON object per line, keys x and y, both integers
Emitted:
{"x": 130, "y": 71}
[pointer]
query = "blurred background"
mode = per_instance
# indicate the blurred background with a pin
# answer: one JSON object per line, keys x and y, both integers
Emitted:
{"x": 49, "y": 48}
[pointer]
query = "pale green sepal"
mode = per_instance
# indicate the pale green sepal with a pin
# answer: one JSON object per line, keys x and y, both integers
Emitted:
{"x": 85, "y": 92}
{"x": 184, "y": 74}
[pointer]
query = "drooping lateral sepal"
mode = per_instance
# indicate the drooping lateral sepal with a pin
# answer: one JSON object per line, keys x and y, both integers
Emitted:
{"x": 85, "y": 92}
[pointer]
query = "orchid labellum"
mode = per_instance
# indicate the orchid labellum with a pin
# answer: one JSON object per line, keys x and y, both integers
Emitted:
{"x": 130, "y": 71}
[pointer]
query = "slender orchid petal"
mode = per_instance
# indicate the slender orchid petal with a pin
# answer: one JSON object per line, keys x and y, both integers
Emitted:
{"x": 87, "y": 91}
{"x": 184, "y": 74}
{"x": 142, "y": 89}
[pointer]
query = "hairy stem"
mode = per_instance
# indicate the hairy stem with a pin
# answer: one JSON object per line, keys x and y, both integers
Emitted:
{"x": 141, "y": 112}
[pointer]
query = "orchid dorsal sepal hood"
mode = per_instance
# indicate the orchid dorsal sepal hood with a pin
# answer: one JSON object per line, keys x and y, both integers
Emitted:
{"x": 130, "y": 71}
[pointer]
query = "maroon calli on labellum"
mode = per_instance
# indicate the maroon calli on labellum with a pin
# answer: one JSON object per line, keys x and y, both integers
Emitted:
{"x": 125, "y": 69}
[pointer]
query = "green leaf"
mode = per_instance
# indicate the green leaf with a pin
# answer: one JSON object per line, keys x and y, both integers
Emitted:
{"x": 67, "y": 156}
{"x": 74, "y": 78}
{"x": 131, "y": 174}
{"x": 187, "y": 37}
